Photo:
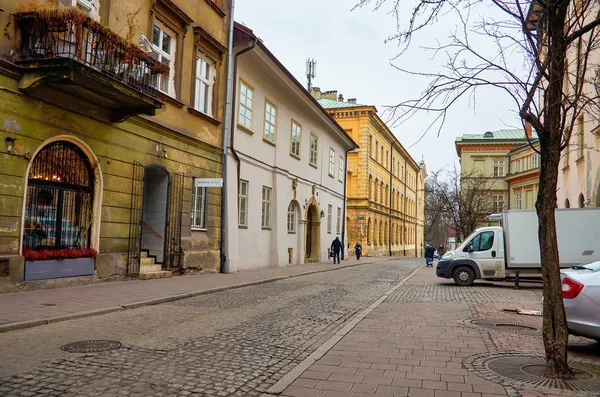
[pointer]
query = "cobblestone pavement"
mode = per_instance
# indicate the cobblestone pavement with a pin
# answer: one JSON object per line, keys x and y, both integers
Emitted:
{"x": 233, "y": 343}
{"x": 417, "y": 344}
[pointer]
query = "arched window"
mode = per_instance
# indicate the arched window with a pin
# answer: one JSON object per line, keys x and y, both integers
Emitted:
{"x": 567, "y": 204}
{"x": 380, "y": 232}
{"x": 376, "y": 188}
{"x": 581, "y": 201}
{"x": 370, "y": 188}
{"x": 59, "y": 203}
{"x": 291, "y": 218}
{"x": 369, "y": 231}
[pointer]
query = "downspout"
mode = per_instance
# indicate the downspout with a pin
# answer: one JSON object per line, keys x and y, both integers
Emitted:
{"x": 230, "y": 121}
{"x": 391, "y": 169}
{"x": 508, "y": 181}
{"x": 416, "y": 211}
{"x": 404, "y": 209}
{"x": 345, "y": 195}
{"x": 228, "y": 113}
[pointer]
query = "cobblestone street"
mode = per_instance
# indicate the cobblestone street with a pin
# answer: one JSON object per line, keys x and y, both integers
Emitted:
{"x": 233, "y": 343}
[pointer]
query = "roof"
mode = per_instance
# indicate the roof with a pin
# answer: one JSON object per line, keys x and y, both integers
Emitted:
{"x": 525, "y": 145}
{"x": 500, "y": 135}
{"x": 331, "y": 104}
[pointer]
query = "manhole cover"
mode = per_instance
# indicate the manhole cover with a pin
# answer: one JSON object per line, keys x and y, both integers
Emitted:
{"x": 91, "y": 346}
{"x": 519, "y": 369}
{"x": 500, "y": 325}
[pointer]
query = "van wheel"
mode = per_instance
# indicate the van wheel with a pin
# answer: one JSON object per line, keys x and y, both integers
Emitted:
{"x": 463, "y": 276}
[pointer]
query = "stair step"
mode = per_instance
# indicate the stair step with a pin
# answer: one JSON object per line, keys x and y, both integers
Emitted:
{"x": 154, "y": 275}
{"x": 147, "y": 261}
{"x": 143, "y": 254}
{"x": 150, "y": 268}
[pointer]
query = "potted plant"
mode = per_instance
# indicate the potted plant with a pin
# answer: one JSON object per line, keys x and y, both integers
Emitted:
{"x": 58, "y": 263}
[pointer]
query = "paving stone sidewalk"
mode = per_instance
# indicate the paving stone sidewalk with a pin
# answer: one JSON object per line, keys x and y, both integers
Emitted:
{"x": 414, "y": 344}
{"x": 32, "y": 308}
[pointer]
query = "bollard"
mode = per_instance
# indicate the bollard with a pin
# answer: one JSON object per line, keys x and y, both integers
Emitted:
{"x": 517, "y": 280}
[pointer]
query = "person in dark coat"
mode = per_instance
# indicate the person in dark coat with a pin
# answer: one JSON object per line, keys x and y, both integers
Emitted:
{"x": 358, "y": 250}
{"x": 336, "y": 247}
{"x": 429, "y": 252}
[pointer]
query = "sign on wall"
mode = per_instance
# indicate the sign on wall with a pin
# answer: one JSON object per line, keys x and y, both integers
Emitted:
{"x": 208, "y": 182}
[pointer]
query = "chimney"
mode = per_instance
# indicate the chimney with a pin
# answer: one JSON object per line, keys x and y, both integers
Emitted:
{"x": 340, "y": 98}
{"x": 528, "y": 131}
{"x": 351, "y": 100}
{"x": 330, "y": 95}
{"x": 315, "y": 92}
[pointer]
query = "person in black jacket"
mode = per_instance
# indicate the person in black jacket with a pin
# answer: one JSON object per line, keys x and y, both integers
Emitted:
{"x": 358, "y": 250}
{"x": 336, "y": 247}
{"x": 429, "y": 252}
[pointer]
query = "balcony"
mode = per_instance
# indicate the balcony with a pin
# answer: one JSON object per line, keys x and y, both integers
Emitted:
{"x": 72, "y": 61}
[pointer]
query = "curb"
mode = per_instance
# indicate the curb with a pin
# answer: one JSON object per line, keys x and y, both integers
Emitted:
{"x": 52, "y": 320}
{"x": 299, "y": 369}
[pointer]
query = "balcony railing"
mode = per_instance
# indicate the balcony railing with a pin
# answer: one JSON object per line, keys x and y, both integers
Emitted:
{"x": 67, "y": 33}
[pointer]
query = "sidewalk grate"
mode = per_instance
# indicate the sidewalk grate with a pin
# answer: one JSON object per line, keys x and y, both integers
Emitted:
{"x": 91, "y": 346}
{"x": 502, "y": 325}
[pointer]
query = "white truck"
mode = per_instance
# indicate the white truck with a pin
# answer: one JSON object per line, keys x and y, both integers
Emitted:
{"x": 499, "y": 252}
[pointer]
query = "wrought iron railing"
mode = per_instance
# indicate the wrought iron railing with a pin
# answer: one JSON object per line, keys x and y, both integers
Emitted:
{"x": 67, "y": 33}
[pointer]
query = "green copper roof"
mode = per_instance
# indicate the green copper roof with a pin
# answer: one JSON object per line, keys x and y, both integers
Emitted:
{"x": 500, "y": 135}
{"x": 331, "y": 104}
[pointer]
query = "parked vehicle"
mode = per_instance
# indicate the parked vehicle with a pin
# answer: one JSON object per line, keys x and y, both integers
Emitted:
{"x": 502, "y": 252}
{"x": 581, "y": 297}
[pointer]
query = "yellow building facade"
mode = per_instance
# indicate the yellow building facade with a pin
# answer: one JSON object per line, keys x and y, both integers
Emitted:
{"x": 524, "y": 176}
{"x": 385, "y": 194}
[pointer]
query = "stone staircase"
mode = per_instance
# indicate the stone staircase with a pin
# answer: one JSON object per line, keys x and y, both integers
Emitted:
{"x": 149, "y": 269}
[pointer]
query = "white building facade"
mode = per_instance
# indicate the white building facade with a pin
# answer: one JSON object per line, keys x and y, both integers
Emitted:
{"x": 286, "y": 166}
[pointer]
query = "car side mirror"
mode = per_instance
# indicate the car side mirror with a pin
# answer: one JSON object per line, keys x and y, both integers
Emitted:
{"x": 470, "y": 248}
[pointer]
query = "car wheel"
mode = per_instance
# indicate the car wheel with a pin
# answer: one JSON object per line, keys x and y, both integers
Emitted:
{"x": 463, "y": 276}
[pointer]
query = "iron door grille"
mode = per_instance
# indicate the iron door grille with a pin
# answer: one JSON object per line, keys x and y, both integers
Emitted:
{"x": 135, "y": 219}
{"x": 173, "y": 257}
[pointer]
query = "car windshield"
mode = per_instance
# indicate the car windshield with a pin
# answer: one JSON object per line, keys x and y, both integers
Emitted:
{"x": 594, "y": 266}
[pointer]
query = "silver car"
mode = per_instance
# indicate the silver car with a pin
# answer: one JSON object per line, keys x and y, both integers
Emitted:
{"x": 581, "y": 297}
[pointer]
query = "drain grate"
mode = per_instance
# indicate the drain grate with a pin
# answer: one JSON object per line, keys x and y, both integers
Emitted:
{"x": 504, "y": 325}
{"x": 522, "y": 370}
{"x": 91, "y": 346}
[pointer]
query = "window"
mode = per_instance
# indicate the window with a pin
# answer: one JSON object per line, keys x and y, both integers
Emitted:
{"x": 205, "y": 79}
{"x": 498, "y": 203}
{"x": 535, "y": 160}
{"x": 295, "y": 139}
{"x": 198, "y": 207}
{"x": 518, "y": 166}
{"x": 518, "y": 201}
{"x": 163, "y": 50}
{"x": 580, "y": 137}
{"x": 498, "y": 167}
{"x": 314, "y": 146}
{"x": 376, "y": 151}
{"x": 482, "y": 242}
{"x": 341, "y": 170}
{"x": 329, "y": 216}
{"x": 338, "y": 223}
{"x": 291, "y": 218}
{"x": 381, "y": 154}
{"x": 331, "y": 162}
{"x": 243, "y": 203}
{"x": 245, "y": 110}
{"x": 371, "y": 145}
{"x": 270, "y": 120}
{"x": 266, "y": 207}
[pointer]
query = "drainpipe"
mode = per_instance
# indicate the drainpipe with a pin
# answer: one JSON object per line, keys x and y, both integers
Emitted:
{"x": 390, "y": 199}
{"x": 345, "y": 195}
{"x": 405, "y": 199}
{"x": 508, "y": 182}
{"x": 226, "y": 131}
{"x": 416, "y": 211}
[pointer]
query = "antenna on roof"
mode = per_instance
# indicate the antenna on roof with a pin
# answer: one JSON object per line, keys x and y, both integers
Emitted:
{"x": 311, "y": 71}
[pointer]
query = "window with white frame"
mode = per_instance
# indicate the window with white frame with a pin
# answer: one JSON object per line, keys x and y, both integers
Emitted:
{"x": 331, "y": 162}
{"x": 198, "y": 207}
{"x": 266, "y": 206}
{"x": 338, "y": 223}
{"x": 498, "y": 203}
{"x": 535, "y": 160}
{"x": 341, "y": 170}
{"x": 291, "y": 218}
{"x": 518, "y": 201}
{"x": 314, "y": 149}
{"x": 498, "y": 167}
{"x": 246, "y": 100}
{"x": 163, "y": 50}
{"x": 243, "y": 203}
{"x": 329, "y": 216}
{"x": 270, "y": 121}
{"x": 295, "y": 139}
{"x": 205, "y": 80}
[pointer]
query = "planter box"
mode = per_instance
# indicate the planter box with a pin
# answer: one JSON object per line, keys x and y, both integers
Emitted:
{"x": 43, "y": 270}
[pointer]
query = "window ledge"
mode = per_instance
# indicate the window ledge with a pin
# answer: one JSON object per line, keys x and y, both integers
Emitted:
{"x": 204, "y": 116}
{"x": 242, "y": 227}
{"x": 217, "y": 9}
{"x": 565, "y": 168}
{"x": 579, "y": 159}
{"x": 291, "y": 232}
{"x": 269, "y": 141}
{"x": 199, "y": 229}
{"x": 314, "y": 165}
{"x": 265, "y": 228}
{"x": 331, "y": 176}
{"x": 245, "y": 129}
{"x": 295, "y": 156}
{"x": 173, "y": 101}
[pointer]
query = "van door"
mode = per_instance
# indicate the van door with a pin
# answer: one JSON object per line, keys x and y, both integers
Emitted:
{"x": 484, "y": 252}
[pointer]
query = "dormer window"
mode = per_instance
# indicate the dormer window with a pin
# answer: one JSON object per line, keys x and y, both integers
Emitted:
{"x": 488, "y": 135}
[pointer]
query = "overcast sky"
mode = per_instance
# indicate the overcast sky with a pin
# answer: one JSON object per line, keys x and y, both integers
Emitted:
{"x": 353, "y": 58}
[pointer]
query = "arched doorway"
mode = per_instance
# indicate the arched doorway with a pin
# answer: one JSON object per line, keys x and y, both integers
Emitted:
{"x": 313, "y": 238}
{"x": 581, "y": 201}
{"x": 154, "y": 212}
{"x": 59, "y": 206}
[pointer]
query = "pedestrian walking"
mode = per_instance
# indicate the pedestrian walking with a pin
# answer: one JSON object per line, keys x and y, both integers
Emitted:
{"x": 336, "y": 247}
{"x": 358, "y": 250}
{"x": 429, "y": 252}
{"x": 441, "y": 251}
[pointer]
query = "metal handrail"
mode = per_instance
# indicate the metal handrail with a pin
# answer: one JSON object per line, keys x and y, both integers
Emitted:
{"x": 153, "y": 229}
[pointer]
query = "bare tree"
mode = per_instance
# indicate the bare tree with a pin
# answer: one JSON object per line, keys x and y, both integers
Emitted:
{"x": 543, "y": 54}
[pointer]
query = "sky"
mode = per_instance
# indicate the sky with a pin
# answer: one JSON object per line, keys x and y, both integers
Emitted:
{"x": 353, "y": 58}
